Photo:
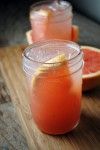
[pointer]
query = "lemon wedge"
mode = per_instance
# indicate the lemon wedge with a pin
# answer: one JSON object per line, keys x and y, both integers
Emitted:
{"x": 50, "y": 64}
{"x": 42, "y": 12}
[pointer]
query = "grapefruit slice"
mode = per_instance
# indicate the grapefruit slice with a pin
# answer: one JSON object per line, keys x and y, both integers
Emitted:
{"x": 91, "y": 70}
{"x": 75, "y": 33}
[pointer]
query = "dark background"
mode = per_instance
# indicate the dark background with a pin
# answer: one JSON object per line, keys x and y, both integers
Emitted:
{"x": 14, "y": 21}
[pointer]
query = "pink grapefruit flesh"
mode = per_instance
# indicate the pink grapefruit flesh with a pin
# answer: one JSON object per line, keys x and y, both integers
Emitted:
{"x": 91, "y": 70}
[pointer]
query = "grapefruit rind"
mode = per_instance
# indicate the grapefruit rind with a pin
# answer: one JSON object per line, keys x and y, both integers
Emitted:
{"x": 29, "y": 37}
{"x": 75, "y": 33}
{"x": 91, "y": 75}
{"x": 91, "y": 48}
{"x": 91, "y": 82}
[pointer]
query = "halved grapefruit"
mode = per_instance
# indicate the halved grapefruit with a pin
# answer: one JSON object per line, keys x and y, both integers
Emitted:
{"x": 91, "y": 70}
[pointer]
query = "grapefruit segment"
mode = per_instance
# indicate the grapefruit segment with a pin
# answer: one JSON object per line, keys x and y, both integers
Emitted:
{"x": 91, "y": 70}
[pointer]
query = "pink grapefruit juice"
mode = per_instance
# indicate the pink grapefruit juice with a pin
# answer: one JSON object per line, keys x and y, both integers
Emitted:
{"x": 55, "y": 86}
{"x": 56, "y": 102}
{"x": 51, "y": 20}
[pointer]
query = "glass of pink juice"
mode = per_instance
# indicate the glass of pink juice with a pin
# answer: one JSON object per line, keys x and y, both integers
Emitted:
{"x": 51, "y": 20}
{"x": 54, "y": 72}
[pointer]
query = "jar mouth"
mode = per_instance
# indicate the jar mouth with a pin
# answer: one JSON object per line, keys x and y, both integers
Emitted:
{"x": 36, "y": 5}
{"x": 37, "y": 45}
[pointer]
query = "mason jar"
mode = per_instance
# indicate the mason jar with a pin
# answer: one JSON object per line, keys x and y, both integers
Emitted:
{"x": 53, "y": 70}
{"x": 51, "y": 20}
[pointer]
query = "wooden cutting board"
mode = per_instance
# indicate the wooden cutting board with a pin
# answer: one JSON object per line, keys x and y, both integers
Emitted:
{"x": 85, "y": 137}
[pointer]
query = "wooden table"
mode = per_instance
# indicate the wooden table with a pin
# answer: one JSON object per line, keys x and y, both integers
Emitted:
{"x": 13, "y": 25}
{"x": 11, "y": 134}
{"x": 85, "y": 137}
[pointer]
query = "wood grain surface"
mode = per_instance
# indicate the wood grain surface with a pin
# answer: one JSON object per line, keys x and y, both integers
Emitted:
{"x": 85, "y": 137}
{"x": 11, "y": 134}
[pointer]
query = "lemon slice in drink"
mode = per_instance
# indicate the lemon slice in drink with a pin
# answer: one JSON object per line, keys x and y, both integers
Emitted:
{"x": 40, "y": 13}
{"x": 56, "y": 66}
{"x": 45, "y": 13}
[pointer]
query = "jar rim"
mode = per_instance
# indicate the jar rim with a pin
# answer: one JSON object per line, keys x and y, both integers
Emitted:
{"x": 43, "y": 42}
{"x": 37, "y": 4}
